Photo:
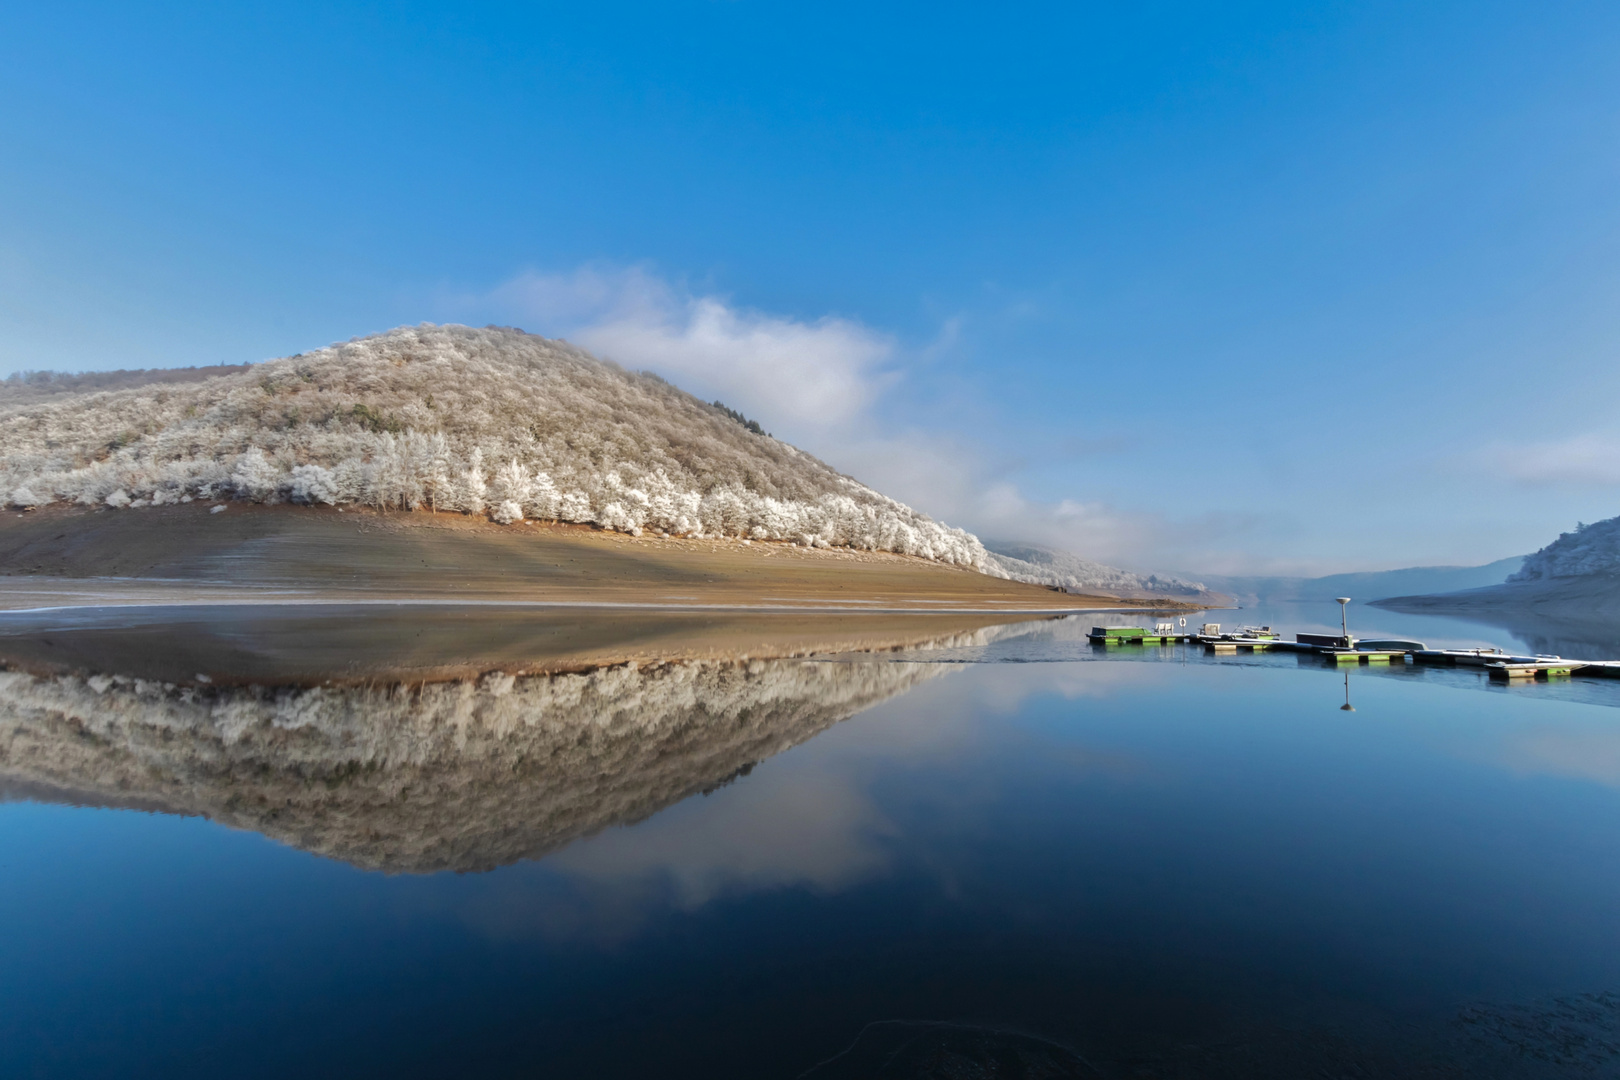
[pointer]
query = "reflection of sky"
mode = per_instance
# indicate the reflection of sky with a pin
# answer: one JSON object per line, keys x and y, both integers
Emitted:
{"x": 1093, "y": 850}
{"x": 827, "y": 816}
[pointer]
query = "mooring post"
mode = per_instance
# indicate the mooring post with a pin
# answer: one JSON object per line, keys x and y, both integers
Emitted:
{"x": 1344, "y": 619}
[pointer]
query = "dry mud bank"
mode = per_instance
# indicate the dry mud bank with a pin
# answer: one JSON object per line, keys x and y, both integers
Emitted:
{"x": 189, "y": 551}
{"x": 219, "y": 645}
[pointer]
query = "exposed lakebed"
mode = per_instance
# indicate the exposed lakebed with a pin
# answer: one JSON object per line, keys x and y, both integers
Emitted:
{"x": 998, "y": 849}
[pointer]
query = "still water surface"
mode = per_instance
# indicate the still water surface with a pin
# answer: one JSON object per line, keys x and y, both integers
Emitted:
{"x": 1013, "y": 853}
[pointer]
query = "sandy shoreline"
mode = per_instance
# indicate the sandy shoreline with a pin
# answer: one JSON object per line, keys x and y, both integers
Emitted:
{"x": 63, "y": 556}
{"x": 283, "y": 595}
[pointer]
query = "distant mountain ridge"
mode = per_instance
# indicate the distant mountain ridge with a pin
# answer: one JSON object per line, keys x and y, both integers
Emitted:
{"x": 34, "y": 386}
{"x": 1040, "y": 565}
{"x": 1369, "y": 585}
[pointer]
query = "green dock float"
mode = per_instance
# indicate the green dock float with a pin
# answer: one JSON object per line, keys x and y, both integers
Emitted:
{"x": 1131, "y": 635}
{"x": 1532, "y": 670}
{"x": 1229, "y": 646}
{"x": 1362, "y": 656}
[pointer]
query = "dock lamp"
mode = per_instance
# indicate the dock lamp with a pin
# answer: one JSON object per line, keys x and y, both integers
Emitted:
{"x": 1344, "y": 618}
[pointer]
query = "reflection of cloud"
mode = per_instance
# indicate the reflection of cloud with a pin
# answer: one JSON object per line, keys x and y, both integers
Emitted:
{"x": 803, "y": 820}
{"x": 810, "y": 829}
{"x": 812, "y": 817}
{"x": 1590, "y": 754}
{"x": 1575, "y": 747}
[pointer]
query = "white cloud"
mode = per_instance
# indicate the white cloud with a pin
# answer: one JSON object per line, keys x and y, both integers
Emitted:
{"x": 961, "y": 484}
{"x": 802, "y": 375}
{"x": 816, "y": 383}
{"x": 1592, "y": 458}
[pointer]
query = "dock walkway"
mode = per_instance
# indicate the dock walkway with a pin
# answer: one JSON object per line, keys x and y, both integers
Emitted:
{"x": 1341, "y": 650}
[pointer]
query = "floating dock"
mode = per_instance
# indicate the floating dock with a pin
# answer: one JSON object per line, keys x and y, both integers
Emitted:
{"x": 1541, "y": 669}
{"x": 1340, "y": 650}
{"x": 1240, "y": 644}
{"x": 1504, "y": 665}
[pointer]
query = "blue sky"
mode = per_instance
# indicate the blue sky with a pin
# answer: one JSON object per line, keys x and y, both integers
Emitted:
{"x": 1205, "y": 287}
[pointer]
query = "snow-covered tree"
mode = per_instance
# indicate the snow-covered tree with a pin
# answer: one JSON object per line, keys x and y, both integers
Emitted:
{"x": 544, "y": 499}
{"x": 312, "y": 484}
{"x": 511, "y": 485}
{"x": 254, "y": 477}
{"x": 470, "y": 492}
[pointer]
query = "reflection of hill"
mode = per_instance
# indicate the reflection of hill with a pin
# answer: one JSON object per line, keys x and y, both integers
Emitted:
{"x": 1574, "y": 617}
{"x": 1578, "y": 639}
{"x": 444, "y": 776}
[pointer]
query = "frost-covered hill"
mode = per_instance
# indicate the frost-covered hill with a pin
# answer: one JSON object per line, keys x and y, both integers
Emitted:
{"x": 1048, "y": 566}
{"x": 1590, "y": 549}
{"x": 1573, "y": 581}
{"x": 447, "y": 418}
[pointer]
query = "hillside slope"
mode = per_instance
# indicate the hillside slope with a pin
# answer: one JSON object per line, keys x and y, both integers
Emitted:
{"x": 489, "y": 422}
{"x": 1574, "y": 578}
{"x": 1591, "y": 550}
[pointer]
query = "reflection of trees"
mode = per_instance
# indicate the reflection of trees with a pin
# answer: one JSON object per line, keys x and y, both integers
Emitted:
{"x": 419, "y": 778}
{"x": 1576, "y": 617}
{"x": 1576, "y": 639}
{"x": 1575, "y": 642}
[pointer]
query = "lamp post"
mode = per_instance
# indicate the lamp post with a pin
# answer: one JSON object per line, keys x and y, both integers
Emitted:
{"x": 1344, "y": 618}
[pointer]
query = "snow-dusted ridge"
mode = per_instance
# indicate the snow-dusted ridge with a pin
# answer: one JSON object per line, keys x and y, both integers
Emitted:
{"x": 450, "y": 418}
{"x": 1590, "y": 549}
{"x": 1047, "y": 566}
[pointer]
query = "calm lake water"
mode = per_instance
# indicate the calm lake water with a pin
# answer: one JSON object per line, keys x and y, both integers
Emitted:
{"x": 1010, "y": 853}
